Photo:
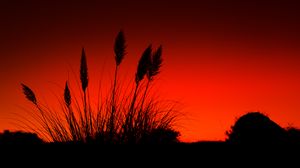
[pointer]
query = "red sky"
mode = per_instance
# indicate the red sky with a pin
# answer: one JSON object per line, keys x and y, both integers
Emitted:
{"x": 221, "y": 59}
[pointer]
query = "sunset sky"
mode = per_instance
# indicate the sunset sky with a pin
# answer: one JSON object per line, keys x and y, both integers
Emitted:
{"x": 222, "y": 58}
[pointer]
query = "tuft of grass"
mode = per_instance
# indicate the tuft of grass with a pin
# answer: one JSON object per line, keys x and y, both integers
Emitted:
{"x": 123, "y": 116}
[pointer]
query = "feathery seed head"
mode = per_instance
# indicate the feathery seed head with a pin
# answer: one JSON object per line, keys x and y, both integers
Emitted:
{"x": 120, "y": 47}
{"x": 67, "y": 95}
{"x": 29, "y": 94}
{"x": 156, "y": 63}
{"x": 83, "y": 71}
{"x": 144, "y": 64}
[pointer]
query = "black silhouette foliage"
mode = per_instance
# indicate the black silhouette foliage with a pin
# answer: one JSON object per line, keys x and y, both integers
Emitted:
{"x": 256, "y": 128}
{"x": 293, "y": 135}
{"x": 144, "y": 64}
{"x": 29, "y": 94}
{"x": 19, "y": 138}
{"x": 156, "y": 63}
{"x": 120, "y": 47}
{"x": 162, "y": 136}
{"x": 67, "y": 95}
{"x": 83, "y": 71}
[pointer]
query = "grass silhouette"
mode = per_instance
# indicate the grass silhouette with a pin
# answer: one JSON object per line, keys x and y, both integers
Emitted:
{"x": 131, "y": 118}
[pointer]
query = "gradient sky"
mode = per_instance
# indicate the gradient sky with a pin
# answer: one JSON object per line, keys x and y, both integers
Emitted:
{"x": 221, "y": 58}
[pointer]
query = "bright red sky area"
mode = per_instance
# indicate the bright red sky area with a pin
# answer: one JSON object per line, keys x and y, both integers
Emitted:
{"x": 221, "y": 58}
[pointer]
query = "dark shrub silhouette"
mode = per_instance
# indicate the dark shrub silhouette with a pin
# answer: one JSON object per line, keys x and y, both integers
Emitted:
{"x": 256, "y": 128}
{"x": 19, "y": 138}
{"x": 161, "y": 136}
{"x": 293, "y": 135}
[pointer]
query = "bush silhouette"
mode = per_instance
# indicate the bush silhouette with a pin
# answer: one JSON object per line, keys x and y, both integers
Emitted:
{"x": 19, "y": 138}
{"x": 119, "y": 118}
{"x": 256, "y": 128}
{"x": 293, "y": 135}
{"x": 161, "y": 136}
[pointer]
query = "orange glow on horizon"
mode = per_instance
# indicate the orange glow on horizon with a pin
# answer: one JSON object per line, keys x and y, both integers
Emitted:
{"x": 213, "y": 93}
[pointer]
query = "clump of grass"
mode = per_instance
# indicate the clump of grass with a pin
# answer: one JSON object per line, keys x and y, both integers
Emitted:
{"x": 121, "y": 117}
